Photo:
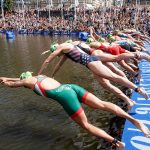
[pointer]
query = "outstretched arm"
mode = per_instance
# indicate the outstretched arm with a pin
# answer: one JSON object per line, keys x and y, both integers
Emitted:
{"x": 49, "y": 59}
{"x": 9, "y": 79}
{"x": 58, "y": 65}
{"x": 93, "y": 34}
{"x": 11, "y": 82}
{"x": 47, "y": 51}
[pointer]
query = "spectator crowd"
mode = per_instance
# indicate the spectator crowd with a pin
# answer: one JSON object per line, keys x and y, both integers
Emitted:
{"x": 102, "y": 19}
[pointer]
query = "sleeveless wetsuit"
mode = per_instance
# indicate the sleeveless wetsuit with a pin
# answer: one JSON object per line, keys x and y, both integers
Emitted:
{"x": 86, "y": 50}
{"x": 114, "y": 50}
{"x": 122, "y": 42}
{"x": 79, "y": 56}
{"x": 132, "y": 44}
{"x": 70, "y": 96}
{"x": 118, "y": 38}
{"x": 123, "y": 36}
{"x": 103, "y": 47}
{"x": 126, "y": 45}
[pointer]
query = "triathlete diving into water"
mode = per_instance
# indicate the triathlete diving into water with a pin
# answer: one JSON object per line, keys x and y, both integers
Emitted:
{"x": 70, "y": 97}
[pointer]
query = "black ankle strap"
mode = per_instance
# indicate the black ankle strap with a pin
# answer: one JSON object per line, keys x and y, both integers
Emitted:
{"x": 136, "y": 89}
{"x": 114, "y": 143}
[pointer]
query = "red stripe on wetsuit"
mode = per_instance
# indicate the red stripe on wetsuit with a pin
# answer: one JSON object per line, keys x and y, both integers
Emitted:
{"x": 40, "y": 87}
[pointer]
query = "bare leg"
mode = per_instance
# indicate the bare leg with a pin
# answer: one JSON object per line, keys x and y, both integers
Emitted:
{"x": 96, "y": 103}
{"x": 127, "y": 67}
{"x": 111, "y": 88}
{"x": 115, "y": 58}
{"x": 133, "y": 66}
{"x": 130, "y": 68}
{"x": 81, "y": 119}
{"x": 101, "y": 70}
{"x": 114, "y": 69}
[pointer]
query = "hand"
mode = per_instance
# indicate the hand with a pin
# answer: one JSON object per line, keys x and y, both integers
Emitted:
{"x": 45, "y": 52}
{"x": 3, "y": 80}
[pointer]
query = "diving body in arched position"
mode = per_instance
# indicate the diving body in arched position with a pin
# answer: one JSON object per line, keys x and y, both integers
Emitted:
{"x": 68, "y": 50}
{"x": 70, "y": 96}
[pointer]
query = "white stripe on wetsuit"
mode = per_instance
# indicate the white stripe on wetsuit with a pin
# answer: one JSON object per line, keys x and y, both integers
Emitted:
{"x": 38, "y": 89}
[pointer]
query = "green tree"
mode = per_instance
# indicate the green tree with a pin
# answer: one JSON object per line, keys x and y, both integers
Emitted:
{"x": 8, "y": 4}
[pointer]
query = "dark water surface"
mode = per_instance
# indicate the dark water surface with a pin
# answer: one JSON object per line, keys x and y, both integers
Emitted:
{"x": 31, "y": 122}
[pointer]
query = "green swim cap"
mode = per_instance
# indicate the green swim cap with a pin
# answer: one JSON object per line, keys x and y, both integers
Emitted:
{"x": 109, "y": 36}
{"x": 89, "y": 40}
{"x": 25, "y": 75}
{"x": 53, "y": 47}
{"x": 112, "y": 38}
{"x": 101, "y": 40}
{"x": 68, "y": 41}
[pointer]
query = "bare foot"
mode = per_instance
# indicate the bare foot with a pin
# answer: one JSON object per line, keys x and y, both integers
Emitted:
{"x": 143, "y": 93}
{"x": 120, "y": 145}
{"x": 142, "y": 127}
{"x": 132, "y": 103}
{"x": 144, "y": 56}
{"x": 139, "y": 76}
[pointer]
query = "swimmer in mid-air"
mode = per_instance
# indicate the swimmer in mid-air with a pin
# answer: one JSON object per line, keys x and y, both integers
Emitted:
{"x": 93, "y": 63}
{"x": 70, "y": 97}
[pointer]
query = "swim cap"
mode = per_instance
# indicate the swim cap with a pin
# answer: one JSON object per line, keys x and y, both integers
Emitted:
{"x": 89, "y": 40}
{"x": 68, "y": 41}
{"x": 115, "y": 32}
{"x": 101, "y": 40}
{"x": 109, "y": 36}
{"x": 112, "y": 38}
{"x": 53, "y": 47}
{"x": 25, "y": 75}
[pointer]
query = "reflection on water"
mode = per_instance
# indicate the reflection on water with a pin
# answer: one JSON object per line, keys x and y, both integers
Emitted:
{"x": 30, "y": 122}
